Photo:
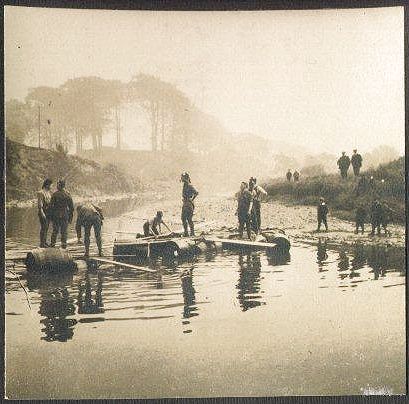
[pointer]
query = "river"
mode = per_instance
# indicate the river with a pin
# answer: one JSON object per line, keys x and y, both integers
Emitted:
{"x": 328, "y": 319}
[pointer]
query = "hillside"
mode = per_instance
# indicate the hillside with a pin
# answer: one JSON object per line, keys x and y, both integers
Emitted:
{"x": 343, "y": 197}
{"x": 27, "y": 167}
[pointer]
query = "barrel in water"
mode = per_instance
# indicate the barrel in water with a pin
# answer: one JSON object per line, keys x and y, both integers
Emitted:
{"x": 50, "y": 260}
{"x": 281, "y": 240}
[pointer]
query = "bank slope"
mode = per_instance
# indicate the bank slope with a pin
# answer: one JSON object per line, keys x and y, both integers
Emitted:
{"x": 27, "y": 167}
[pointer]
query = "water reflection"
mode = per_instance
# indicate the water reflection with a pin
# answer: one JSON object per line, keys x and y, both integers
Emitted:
{"x": 189, "y": 302}
{"x": 276, "y": 256}
{"x": 322, "y": 255}
{"x": 86, "y": 304}
{"x": 248, "y": 284}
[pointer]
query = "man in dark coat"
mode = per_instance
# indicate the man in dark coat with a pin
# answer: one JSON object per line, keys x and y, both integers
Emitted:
{"x": 61, "y": 212}
{"x": 296, "y": 176}
{"x": 288, "y": 175}
{"x": 360, "y": 217}
{"x": 189, "y": 194}
{"x": 356, "y": 161}
{"x": 377, "y": 216}
{"x": 322, "y": 212}
{"x": 89, "y": 216}
{"x": 343, "y": 164}
{"x": 244, "y": 209}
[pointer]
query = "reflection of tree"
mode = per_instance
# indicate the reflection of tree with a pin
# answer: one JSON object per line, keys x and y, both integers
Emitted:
{"x": 87, "y": 305}
{"x": 249, "y": 281}
{"x": 56, "y": 305}
{"x": 189, "y": 308}
{"x": 377, "y": 260}
{"x": 322, "y": 255}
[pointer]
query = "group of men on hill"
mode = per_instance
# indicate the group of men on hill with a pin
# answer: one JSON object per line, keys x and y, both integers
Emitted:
{"x": 344, "y": 162}
{"x": 57, "y": 208}
{"x": 295, "y": 176}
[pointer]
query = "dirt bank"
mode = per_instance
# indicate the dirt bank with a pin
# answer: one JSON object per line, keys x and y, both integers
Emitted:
{"x": 299, "y": 222}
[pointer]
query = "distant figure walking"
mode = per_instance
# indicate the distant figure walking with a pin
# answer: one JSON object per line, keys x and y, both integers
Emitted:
{"x": 296, "y": 176}
{"x": 356, "y": 161}
{"x": 43, "y": 203}
{"x": 377, "y": 216}
{"x": 258, "y": 192}
{"x": 322, "y": 212}
{"x": 153, "y": 227}
{"x": 288, "y": 175}
{"x": 343, "y": 165}
{"x": 61, "y": 212}
{"x": 360, "y": 217}
{"x": 89, "y": 216}
{"x": 244, "y": 208}
{"x": 189, "y": 194}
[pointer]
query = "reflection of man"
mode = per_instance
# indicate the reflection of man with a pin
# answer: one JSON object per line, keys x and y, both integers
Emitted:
{"x": 188, "y": 291}
{"x": 248, "y": 284}
{"x": 86, "y": 305}
{"x": 321, "y": 254}
{"x": 55, "y": 307}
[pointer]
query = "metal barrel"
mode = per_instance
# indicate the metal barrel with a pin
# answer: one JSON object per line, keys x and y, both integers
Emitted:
{"x": 49, "y": 259}
{"x": 281, "y": 240}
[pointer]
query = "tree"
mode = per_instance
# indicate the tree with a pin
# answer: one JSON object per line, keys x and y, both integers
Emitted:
{"x": 19, "y": 120}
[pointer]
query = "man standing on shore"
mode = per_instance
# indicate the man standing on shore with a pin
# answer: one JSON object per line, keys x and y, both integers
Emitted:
{"x": 189, "y": 194}
{"x": 43, "y": 203}
{"x": 257, "y": 192}
{"x": 61, "y": 212}
{"x": 88, "y": 216}
{"x": 343, "y": 164}
{"x": 356, "y": 161}
{"x": 322, "y": 212}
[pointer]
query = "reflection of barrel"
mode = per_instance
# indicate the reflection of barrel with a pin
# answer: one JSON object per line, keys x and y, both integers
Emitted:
{"x": 49, "y": 259}
{"x": 281, "y": 240}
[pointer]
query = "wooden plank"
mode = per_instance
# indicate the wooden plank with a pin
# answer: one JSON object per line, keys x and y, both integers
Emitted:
{"x": 122, "y": 264}
{"x": 244, "y": 243}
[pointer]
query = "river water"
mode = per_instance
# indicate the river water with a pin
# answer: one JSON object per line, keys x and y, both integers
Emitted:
{"x": 324, "y": 320}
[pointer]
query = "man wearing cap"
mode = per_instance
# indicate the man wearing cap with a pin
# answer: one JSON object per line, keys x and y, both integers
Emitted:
{"x": 322, "y": 212}
{"x": 356, "y": 161}
{"x": 244, "y": 209}
{"x": 61, "y": 213}
{"x": 189, "y": 194}
{"x": 43, "y": 203}
{"x": 343, "y": 164}
{"x": 153, "y": 227}
{"x": 89, "y": 216}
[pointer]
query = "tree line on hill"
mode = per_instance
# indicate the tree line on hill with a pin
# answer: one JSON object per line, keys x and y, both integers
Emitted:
{"x": 84, "y": 107}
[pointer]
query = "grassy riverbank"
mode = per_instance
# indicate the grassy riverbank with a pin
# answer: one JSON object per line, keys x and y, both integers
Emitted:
{"x": 27, "y": 167}
{"x": 343, "y": 196}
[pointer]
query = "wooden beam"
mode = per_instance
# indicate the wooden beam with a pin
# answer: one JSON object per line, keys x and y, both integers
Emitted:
{"x": 243, "y": 243}
{"x": 122, "y": 264}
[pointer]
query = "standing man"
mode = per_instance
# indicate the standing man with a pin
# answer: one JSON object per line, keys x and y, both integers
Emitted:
{"x": 43, "y": 203}
{"x": 244, "y": 207}
{"x": 343, "y": 164}
{"x": 61, "y": 212}
{"x": 322, "y": 212}
{"x": 189, "y": 194}
{"x": 356, "y": 161}
{"x": 296, "y": 176}
{"x": 360, "y": 217}
{"x": 377, "y": 215}
{"x": 288, "y": 175}
{"x": 88, "y": 216}
{"x": 257, "y": 192}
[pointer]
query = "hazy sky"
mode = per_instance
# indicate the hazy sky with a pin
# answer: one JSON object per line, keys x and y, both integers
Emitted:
{"x": 325, "y": 79}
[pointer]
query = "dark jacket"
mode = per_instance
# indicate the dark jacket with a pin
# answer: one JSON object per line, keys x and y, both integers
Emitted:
{"x": 344, "y": 162}
{"x": 322, "y": 209}
{"x": 244, "y": 201}
{"x": 61, "y": 206}
{"x": 356, "y": 160}
{"x": 360, "y": 215}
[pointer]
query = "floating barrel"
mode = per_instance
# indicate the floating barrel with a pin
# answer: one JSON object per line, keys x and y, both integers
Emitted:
{"x": 281, "y": 240}
{"x": 49, "y": 259}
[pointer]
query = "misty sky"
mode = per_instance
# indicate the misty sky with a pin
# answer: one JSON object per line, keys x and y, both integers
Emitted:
{"x": 325, "y": 79}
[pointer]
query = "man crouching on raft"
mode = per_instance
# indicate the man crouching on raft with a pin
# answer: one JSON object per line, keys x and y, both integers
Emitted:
{"x": 153, "y": 227}
{"x": 189, "y": 194}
